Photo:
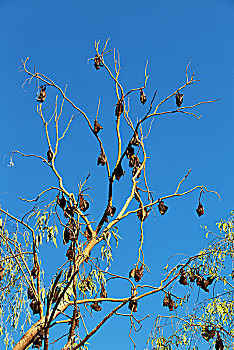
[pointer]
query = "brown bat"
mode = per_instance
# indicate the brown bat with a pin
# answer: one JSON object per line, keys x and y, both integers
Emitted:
{"x": 200, "y": 209}
{"x": 50, "y": 155}
{"x": 119, "y": 108}
{"x": 97, "y": 62}
{"x": 42, "y": 94}
{"x": 162, "y": 208}
{"x": 143, "y": 98}
{"x": 179, "y": 98}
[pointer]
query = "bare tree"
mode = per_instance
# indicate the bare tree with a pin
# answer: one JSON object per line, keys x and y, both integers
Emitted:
{"x": 80, "y": 284}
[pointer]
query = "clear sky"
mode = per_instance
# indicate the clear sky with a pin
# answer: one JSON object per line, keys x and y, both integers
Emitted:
{"x": 58, "y": 37}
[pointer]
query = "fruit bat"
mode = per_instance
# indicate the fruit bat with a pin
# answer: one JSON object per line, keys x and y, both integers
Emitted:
{"x": 135, "y": 139}
{"x": 103, "y": 293}
{"x": 162, "y": 208}
{"x": 133, "y": 305}
{"x": 183, "y": 278}
{"x": 142, "y": 214}
{"x": 110, "y": 211}
{"x": 61, "y": 202}
{"x": 97, "y": 127}
{"x": 102, "y": 159}
{"x": 97, "y": 62}
{"x": 35, "y": 306}
{"x": 42, "y": 94}
{"x": 143, "y": 98}
{"x": 69, "y": 211}
{"x": 137, "y": 273}
{"x": 179, "y": 98}
{"x": 129, "y": 151}
{"x": 219, "y": 342}
{"x": 70, "y": 253}
{"x": 83, "y": 203}
{"x": 37, "y": 339}
{"x": 200, "y": 210}
{"x": 95, "y": 306}
{"x": 168, "y": 302}
{"x": 119, "y": 108}
{"x": 50, "y": 155}
{"x": 34, "y": 271}
{"x": 203, "y": 283}
{"x": 134, "y": 162}
{"x": 118, "y": 172}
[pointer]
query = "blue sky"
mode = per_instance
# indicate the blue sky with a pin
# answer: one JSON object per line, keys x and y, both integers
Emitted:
{"x": 58, "y": 37}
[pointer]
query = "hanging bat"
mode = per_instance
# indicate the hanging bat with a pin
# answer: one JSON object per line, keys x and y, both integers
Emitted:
{"x": 129, "y": 151}
{"x": 103, "y": 293}
{"x": 143, "y": 98}
{"x": 137, "y": 273}
{"x": 162, "y": 207}
{"x": 118, "y": 172}
{"x": 37, "y": 339}
{"x": 69, "y": 211}
{"x": 97, "y": 62}
{"x": 133, "y": 305}
{"x": 192, "y": 276}
{"x": 183, "y": 278}
{"x": 200, "y": 209}
{"x": 35, "y": 271}
{"x": 70, "y": 253}
{"x": 135, "y": 139}
{"x": 219, "y": 342}
{"x": 110, "y": 211}
{"x": 95, "y": 306}
{"x": 50, "y": 155}
{"x": 168, "y": 302}
{"x": 203, "y": 283}
{"x": 179, "y": 98}
{"x": 134, "y": 162}
{"x": 61, "y": 202}
{"x": 35, "y": 306}
{"x": 83, "y": 203}
{"x": 119, "y": 108}
{"x": 66, "y": 235}
{"x": 102, "y": 159}
{"x": 42, "y": 95}
{"x": 97, "y": 127}
{"x": 142, "y": 214}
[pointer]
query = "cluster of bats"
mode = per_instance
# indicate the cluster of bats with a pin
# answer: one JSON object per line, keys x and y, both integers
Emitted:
{"x": 103, "y": 294}
{"x": 71, "y": 231}
{"x": 193, "y": 276}
{"x": 134, "y": 161}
